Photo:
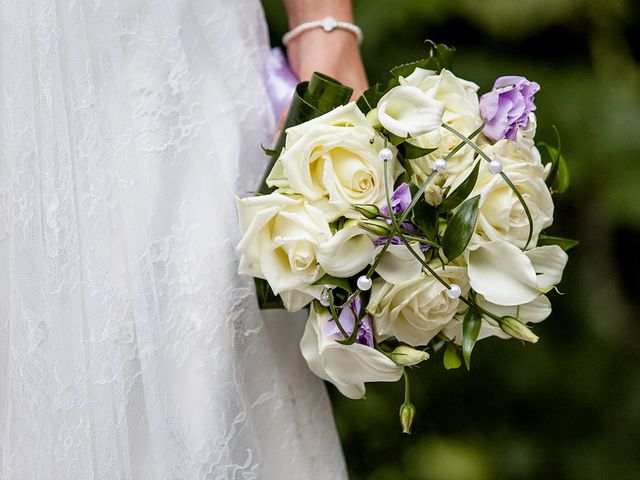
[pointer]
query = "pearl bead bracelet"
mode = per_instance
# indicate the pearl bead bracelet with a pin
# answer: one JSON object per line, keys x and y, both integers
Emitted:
{"x": 328, "y": 24}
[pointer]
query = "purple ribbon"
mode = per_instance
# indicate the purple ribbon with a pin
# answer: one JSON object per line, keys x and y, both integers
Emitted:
{"x": 280, "y": 81}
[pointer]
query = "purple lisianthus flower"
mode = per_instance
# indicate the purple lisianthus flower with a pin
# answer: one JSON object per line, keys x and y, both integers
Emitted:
{"x": 347, "y": 319}
{"x": 400, "y": 200}
{"x": 507, "y": 107}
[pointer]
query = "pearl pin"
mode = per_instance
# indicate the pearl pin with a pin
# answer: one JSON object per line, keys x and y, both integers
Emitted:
{"x": 440, "y": 164}
{"x": 454, "y": 291}
{"x": 364, "y": 283}
{"x": 495, "y": 167}
{"x": 324, "y": 299}
{"x": 385, "y": 154}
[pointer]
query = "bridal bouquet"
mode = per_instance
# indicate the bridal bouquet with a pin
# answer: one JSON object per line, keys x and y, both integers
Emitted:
{"x": 409, "y": 222}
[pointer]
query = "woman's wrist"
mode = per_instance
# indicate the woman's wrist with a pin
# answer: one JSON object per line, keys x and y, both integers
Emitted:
{"x": 334, "y": 53}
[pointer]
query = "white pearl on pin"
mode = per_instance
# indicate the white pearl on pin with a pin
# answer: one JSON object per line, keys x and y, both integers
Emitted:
{"x": 495, "y": 167}
{"x": 454, "y": 291}
{"x": 324, "y": 299}
{"x": 440, "y": 164}
{"x": 364, "y": 283}
{"x": 385, "y": 154}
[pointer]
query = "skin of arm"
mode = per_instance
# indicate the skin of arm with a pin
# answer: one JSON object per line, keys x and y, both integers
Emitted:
{"x": 334, "y": 53}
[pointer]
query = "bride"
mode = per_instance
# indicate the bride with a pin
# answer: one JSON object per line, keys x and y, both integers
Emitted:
{"x": 129, "y": 347}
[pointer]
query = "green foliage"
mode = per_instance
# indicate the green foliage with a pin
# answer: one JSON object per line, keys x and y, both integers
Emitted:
{"x": 425, "y": 217}
{"x": 460, "y": 194}
{"x": 460, "y": 228}
{"x": 565, "y": 243}
{"x": 411, "y": 151}
{"x": 342, "y": 283}
{"x": 470, "y": 330}
{"x": 451, "y": 359}
{"x": 558, "y": 178}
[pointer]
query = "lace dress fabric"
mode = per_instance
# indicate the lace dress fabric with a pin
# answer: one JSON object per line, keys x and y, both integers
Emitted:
{"x": 129, "y": 347}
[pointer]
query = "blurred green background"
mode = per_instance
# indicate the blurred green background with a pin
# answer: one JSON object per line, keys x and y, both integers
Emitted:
{"x": 569, "y": 406}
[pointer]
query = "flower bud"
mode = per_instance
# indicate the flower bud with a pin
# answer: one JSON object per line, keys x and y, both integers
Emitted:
{"x": 367, "y": 209}
{"x": 376, "y": 227}
{"x": 517, "y": 329}
{"x": 407, "y": 412}
{"x": 433, "y": 195}
{"x": 406, "y": 356}
{"x": 372, "y": 118}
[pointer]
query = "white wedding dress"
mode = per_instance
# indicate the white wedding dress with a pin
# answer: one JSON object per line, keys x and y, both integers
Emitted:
{"x": 129, "y": 347}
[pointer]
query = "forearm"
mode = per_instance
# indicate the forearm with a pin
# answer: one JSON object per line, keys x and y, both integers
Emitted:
{"x": 300, "y": 11}
{"x": 334, "y": 53}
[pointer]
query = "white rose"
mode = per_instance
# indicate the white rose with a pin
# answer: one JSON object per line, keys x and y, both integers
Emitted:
{"x": 335, "y": 158}
{"x": 406, "y": 111}
{"x": 348, "y": 367}
{"x": 461, "y": 111}
{"x": 533, "y": 312}
{"x": 414, "y": 311}
{"x": 288, "y": 242}
{"x": 505, "y": 275}
{"x": 501, "y": 214}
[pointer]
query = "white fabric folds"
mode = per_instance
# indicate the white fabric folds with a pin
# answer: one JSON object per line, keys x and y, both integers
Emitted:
{"x": 129, "y": 347}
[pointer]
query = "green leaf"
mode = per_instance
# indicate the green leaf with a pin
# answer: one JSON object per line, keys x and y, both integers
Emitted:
{"x": 370, "y": 98}
{"x": 425, "y": 217}
{"x": 440, "y": 56}
{"x": 411, "y": 151}
{"x": 461, "y": 226}
{"x": 458, "y": 196}
{"x": 266, "y": 298}
{"x": 470, "y": 330}
{"x": 558, "y": 179}
{"x": 395, "y": 139}
{"x": 565, "y": 243}
{"x": 327, "y": 279}
{"x": 269, "y": 152}
{"x": 451, "y": 358}
{"x": 407, "y": 69}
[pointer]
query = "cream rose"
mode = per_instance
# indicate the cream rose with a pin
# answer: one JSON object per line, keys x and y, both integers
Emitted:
{"x": 348, "y": 367}
{"x": 461, "y": 111}
{"x": 501, "y": 214}
{"x": 334, "y": 158}
{"x": 406, "y": 111}
{"x": 288, "y": 242}
{"x": 414, "y": 311}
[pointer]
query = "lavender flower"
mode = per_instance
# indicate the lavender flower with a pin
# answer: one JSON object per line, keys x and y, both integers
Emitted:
{"x": 507, "y": 107}
{"x": 400, "y": 201}
{"x": 347, "y": 319}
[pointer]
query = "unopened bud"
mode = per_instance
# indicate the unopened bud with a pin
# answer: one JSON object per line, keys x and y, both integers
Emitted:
{"x": 433, "y": 195}
{"x": 372, "y": 118}
{"x": 406, "y": 356}
{"x": 377, "y": 227}
{"x": 368, "y": 210}
{"x": 407, "y": 412}
{"x": 515, "y": 328}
